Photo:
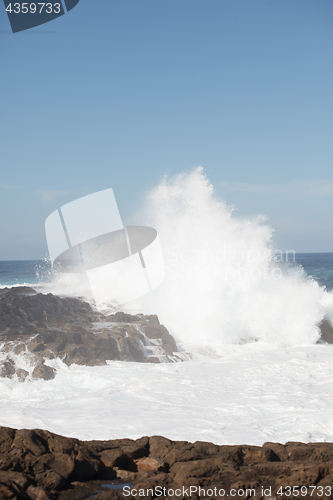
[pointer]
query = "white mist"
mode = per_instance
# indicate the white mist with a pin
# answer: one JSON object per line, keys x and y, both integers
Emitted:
{"x": 223, "y": 284}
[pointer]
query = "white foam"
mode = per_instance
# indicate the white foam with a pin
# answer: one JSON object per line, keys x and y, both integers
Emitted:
{"x": 223, "y": 283}
{"x": 248, "y": 393}
{"x": 223, "y": 291}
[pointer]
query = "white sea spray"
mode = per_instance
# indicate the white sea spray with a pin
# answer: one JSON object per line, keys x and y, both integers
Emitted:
{"x": 223, "y": 283}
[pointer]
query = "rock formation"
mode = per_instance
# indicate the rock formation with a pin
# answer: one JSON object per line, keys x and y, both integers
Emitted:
{"x": 40, "y": 327}
{"x": 40, "y": 465}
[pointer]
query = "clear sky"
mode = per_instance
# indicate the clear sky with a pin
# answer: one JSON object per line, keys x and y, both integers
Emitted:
{"x": 118, "y": 92}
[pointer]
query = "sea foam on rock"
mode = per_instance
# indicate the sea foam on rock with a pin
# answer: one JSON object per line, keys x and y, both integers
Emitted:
{"x": 35, "y": 328}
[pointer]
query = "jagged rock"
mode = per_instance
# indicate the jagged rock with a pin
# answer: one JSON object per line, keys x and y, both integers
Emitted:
{"x": 37, "y": 464}
{"x": 63, "y": 464}
{"x": 326, "y": 332}
{"x": 8, "y": 368}
{"x": 22, "y": 374}
{"x": 37, "y": 493}
{"x": 11, "y": 490}
{"x": 41, "y": 327}
{"x": 150, "y": 464}
{"x": 43, "y": 371}
{"x": 19, "y": 348}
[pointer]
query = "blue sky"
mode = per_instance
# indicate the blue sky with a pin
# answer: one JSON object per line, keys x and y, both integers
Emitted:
{"x": 117, "y": 93}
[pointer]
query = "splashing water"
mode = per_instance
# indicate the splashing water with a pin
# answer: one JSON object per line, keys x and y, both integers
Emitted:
{"x": 223, "y": 282}
{"x": 223, "y": 285}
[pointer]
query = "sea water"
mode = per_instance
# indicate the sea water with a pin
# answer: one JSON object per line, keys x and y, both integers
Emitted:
{"x": 249, "y": 313}
{"x": 318, "y": 266}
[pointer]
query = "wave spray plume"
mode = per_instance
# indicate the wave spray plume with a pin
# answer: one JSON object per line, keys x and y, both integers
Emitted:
{"x": 223, "y": 283}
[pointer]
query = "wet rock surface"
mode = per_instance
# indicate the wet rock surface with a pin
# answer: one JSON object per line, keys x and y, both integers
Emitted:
{"x": 41, "y": 327}
{"x": 37, "y": 464}
{"x": 326, "y": 330}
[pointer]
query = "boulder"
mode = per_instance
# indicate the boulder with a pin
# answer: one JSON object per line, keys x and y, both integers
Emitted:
{"x": 8, "y": 368}
{"x": 150, "y": 464}
{"x": 40, "y": 327}
{"x": 43, "y": 371}
{"x": 326, "y": 330}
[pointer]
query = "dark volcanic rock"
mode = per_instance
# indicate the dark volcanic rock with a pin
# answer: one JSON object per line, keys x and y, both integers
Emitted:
{"x": 8, "y": 368}
{"x": 21, "y": 374}
{"x": 326, "y": 332}
{"x": 43, "y": 371}
{"x": 39, "y": 465}
{"x": 41, "y": 327}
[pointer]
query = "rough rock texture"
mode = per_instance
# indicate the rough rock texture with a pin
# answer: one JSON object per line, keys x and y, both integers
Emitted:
{"x": 43, "y": 371}
{"x": 326, "y": 332}
{"x": 39, "y": 465}
{"x": 41, "y": 327}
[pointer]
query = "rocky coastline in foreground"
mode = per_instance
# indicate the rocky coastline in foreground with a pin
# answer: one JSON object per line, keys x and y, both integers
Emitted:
{"x": 40, "y": 465}
{"x": 36, "y": 328}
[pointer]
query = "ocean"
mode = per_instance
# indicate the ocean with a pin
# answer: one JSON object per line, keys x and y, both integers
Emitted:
{"x": 318, "y": 266}
{"x": 241, "y": 393}
{"x": 24, "y": 272}
{"x": 248, "y": 315}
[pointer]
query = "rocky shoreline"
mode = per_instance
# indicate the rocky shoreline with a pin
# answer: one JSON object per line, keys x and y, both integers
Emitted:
{"x": 40, "y": 465}
{"x": 36, "y": 328}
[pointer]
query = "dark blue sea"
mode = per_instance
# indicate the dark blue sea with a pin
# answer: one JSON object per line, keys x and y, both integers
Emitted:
{"x": 319, "y": 266}
{"x": 25, "y": 272}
